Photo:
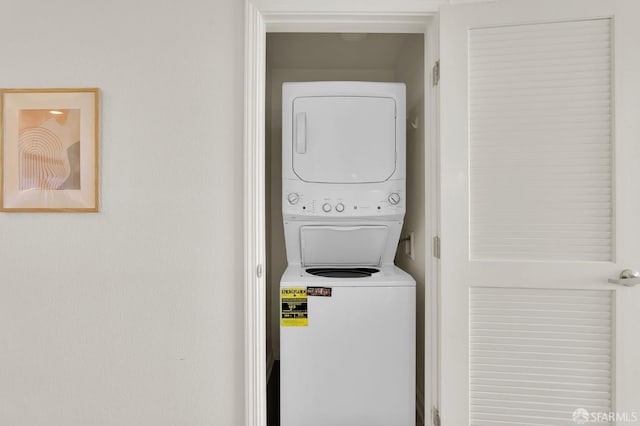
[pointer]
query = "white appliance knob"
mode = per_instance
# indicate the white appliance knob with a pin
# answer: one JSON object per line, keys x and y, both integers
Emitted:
{"x": 394, "y": 198}
{"x": 326, "y": 207}
{"x": 293, "y": 198}
{"x": 340, "y": 207}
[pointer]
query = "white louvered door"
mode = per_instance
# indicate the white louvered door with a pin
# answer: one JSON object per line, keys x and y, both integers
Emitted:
{"x": 540, "y": 191}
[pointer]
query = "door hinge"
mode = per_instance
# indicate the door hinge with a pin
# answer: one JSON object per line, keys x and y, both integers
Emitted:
{"x": 436, "y": 417}
{"x": 259, "y": 270}
{"x": 435, "y": 73}
{"x": 436, "y": 247}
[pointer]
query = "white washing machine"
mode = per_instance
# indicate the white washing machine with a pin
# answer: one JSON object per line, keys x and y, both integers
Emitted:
{"x": 347, "y": 319}
{"x": 353, "y": 361}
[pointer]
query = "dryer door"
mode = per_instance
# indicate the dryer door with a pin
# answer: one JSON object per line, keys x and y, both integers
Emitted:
{"x": 344, "y": 139}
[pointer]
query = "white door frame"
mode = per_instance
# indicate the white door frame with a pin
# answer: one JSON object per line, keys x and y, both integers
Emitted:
{"x": 262, "y": 16}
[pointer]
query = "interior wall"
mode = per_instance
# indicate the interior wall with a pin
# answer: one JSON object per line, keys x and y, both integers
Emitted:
{"x": 402, "y": 61}
{"x": 134, "y": 315}
{"x": 410, "y": 70}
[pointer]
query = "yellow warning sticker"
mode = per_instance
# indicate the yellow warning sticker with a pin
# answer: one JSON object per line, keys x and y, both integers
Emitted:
{"x": 293, "y": 307}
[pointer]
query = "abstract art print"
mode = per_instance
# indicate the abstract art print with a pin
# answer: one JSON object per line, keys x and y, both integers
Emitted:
{"x": 49, "y": 150}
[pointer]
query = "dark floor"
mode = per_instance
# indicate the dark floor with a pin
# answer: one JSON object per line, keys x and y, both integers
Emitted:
{"x": 273, "y": 396}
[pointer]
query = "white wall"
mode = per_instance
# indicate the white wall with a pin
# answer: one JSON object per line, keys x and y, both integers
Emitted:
{"x": 131, "y": 316}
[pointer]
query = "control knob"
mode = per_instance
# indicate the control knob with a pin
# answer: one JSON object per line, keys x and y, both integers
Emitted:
{"x": 293, "y": 198}
{"x": 326, "y": 207}
{"x": 394, "y": 198}
{"x": 339, "y": 207}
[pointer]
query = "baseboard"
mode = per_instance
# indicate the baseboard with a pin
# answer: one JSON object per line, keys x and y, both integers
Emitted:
{"x": 420, "y": 406}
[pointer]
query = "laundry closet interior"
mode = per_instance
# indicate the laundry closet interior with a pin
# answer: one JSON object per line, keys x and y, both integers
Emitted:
{"x": 368, "y": 57}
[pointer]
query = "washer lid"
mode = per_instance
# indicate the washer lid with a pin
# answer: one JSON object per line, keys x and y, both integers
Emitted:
{"x": 343, "y": 245}
{"x": 344, "y": 139}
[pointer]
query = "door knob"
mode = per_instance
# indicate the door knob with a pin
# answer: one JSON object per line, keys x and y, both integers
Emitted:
{"x": 628, "y": 277}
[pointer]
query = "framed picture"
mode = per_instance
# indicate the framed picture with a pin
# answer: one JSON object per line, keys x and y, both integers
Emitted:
{"x": 49, "y": 150}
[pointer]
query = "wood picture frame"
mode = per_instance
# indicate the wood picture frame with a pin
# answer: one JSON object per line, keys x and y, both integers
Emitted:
{"x": 49, "y": 150}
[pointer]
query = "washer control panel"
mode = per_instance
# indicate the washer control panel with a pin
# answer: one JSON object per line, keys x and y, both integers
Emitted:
{"x": 339, "y": 202}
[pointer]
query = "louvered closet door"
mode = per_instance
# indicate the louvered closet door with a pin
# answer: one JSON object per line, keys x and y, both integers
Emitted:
{"x": 540, "y": 160}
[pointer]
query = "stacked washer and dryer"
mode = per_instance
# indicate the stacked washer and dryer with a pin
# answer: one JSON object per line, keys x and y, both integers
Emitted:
{"x": 347, "y": 318}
